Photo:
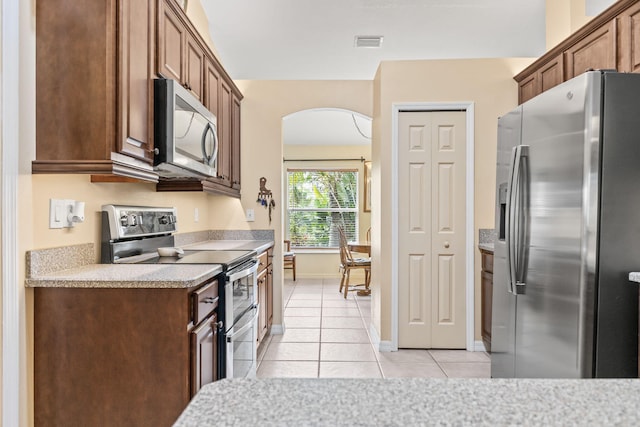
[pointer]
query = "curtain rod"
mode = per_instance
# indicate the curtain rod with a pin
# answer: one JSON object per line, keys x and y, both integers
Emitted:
{"x": 361, "y": 159}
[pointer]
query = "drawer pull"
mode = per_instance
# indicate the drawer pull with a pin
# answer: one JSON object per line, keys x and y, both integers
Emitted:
{"x": 209, "y": 300}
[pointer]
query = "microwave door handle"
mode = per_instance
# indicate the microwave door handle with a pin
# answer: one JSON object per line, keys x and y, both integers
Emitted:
{"x": 209, "y": 159}
{"x": 214, "y": 132}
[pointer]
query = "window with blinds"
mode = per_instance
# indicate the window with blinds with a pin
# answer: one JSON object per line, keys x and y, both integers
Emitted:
{"x": 320, "y": 201}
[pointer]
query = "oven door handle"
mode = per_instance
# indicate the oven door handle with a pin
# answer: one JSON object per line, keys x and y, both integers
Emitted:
{"x": 244, "y": 272}
{"x": 248, "y": 325}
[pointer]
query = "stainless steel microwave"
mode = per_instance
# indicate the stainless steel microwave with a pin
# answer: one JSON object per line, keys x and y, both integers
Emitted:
{"x": 186, "y": 135}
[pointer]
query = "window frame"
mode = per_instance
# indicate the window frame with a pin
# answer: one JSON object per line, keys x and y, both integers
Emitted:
{"x": 288, "y": 210}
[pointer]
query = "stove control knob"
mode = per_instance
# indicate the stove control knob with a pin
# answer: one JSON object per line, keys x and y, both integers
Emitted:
{"x": 164, "y": 219}
{"x": 129, "y": 220}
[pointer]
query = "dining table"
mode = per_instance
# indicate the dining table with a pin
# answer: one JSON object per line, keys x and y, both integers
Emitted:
{"x": 363, "y": 247}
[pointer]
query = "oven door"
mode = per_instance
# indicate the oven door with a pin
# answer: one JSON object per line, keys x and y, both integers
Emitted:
{"x": 241, "y": 346}
{"x": 240, "y": 291}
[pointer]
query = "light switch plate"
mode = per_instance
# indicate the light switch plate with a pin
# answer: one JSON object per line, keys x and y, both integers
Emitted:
{"x": 59, "y": 210}
{"x": 57, "y": 215}
{"x": 251, "y": 215}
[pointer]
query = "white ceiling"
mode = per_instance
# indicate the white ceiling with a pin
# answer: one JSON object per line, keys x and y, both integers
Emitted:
{"x": 302, "y": 39}
{"x": 326, "y": 127}
{"x": 314, "y": 40}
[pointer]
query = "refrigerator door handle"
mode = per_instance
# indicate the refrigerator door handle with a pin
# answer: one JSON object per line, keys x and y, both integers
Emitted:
{"x": 514, "y": 221}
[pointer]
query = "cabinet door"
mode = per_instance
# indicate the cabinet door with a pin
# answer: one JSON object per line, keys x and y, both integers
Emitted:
{"x": 551, "y": 74}
{"x": 262, "y": 301}
{"x": 269, "y": 297}
{"x": 194, "y": 67}
{"x": 235, "y": 143}
{"x": 171, "y": 43}
{"x": 486, "y": 284}
{"x": 224, "y": 134}
{"x": 596, "y": 51}
{"x": 135, "y": 79}
{"x": 211, "y": 86}
{"x": 528, "y": 88}
{"x": 204, "y": 353}
{"x": 629, "y": 39}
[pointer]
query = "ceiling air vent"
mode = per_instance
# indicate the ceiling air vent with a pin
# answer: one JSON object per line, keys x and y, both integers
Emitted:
{"x": 368, "y": 41}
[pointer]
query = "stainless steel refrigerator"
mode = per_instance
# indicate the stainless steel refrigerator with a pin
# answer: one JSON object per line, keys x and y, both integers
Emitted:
{"x": 568, "y": 232}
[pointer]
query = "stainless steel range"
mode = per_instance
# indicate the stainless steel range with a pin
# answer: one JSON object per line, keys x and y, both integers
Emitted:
{"x": 133, "y": 235}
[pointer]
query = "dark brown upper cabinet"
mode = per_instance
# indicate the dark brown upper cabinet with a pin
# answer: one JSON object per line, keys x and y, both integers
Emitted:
{"x": 94, "y": 88}
{"x": 183, "y": 56}
{"x": 610, "y": 41}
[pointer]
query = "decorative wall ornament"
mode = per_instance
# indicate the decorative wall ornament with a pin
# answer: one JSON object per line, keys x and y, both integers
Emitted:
{"x": 265, "y": 197}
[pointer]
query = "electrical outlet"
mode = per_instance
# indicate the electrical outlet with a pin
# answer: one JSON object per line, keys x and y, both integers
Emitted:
{"x": 251, "y": 215}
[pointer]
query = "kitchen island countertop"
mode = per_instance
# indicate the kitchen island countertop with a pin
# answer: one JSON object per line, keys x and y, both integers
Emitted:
{"x": 415, "y": 401}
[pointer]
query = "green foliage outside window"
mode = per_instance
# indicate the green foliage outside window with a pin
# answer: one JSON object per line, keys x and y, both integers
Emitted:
{"x": 320, "y": 201}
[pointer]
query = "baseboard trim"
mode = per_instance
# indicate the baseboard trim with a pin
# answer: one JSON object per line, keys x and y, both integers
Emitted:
{"x": 382, "y": 346}
{"x": 478, "y": 346}
{"x": 277, "y": 329}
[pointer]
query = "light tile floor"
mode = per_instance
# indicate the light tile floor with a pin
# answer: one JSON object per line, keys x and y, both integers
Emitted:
{"x": 327, "y": 336}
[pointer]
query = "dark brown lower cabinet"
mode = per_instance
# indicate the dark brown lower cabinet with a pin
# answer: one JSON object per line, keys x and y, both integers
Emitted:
{"x": 486, "y": 285}
{"x": 121, "y": 357}
{"x": 204, "y": 353}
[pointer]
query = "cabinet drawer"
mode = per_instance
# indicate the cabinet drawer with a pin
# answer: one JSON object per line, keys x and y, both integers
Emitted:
{"x": 204, "y": 300}
{"x": 487, "y": 262}
{"x": 263, "y": 261}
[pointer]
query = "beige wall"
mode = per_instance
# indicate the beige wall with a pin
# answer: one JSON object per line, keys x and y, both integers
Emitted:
{"x": 486, "y": 82}
{"x": 265, "y": 104}
{"x": 325, "y": 263}
{"x": 564, "y": 17}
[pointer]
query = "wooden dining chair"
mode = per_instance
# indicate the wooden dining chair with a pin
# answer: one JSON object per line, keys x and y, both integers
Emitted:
{"x": 348, "y": 263}
{"x": 289, "y": 258}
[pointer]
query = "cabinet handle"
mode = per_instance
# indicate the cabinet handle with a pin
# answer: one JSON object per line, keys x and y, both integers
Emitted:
{"x": 220, "y": 324}
{"x": 209, "y": 300}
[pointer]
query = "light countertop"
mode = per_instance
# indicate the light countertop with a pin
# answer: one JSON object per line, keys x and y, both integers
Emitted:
{"x": 414, "y": 401}
{"x": 127, "y": 276}
{"x": 486, "y": 237}
{"x": 634, "y": 276}
{"x": 73, "y": 267}
{"x": 486, "y": 246}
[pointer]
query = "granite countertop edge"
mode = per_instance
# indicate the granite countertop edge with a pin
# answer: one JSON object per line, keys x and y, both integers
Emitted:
{"x": 149, "y": 276}
{"x": 486, "y": 246}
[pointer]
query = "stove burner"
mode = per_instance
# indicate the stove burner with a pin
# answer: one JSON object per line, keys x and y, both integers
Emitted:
{"x": 228, "y": 259}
